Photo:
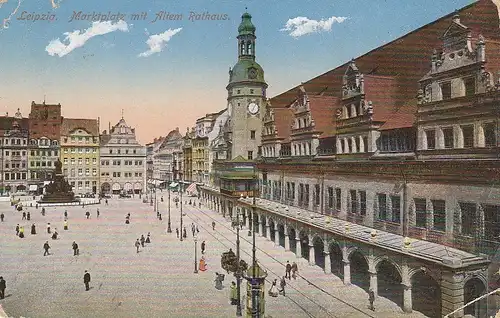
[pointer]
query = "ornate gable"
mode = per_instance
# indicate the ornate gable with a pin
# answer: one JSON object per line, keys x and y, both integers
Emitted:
{"x": 268, "y": 116}
{"x": 456, "y": 37}
{"x": 301, "y": 104}
{"x": 352, "y": 81}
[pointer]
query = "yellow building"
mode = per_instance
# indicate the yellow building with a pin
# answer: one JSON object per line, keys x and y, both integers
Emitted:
{"x": 80, "y": 154}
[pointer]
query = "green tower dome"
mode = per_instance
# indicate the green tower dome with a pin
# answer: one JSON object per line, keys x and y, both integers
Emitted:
{"x": 246, "y": 70}
{"x": 246, "y": 25}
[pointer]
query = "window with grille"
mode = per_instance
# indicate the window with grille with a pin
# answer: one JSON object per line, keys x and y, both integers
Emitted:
{"x": 470, "y": 86}
{"x": 317, "y": 193}
{"x": 330, "y": 197}
{"x": 396, "y": 208}
{"x": 468, "y": 217}
{"x": 338, "y": 199}
{"x": 354, "y": 201}
{"x": 492, "y": 222}
{"x": 362, "y": 202}
{"x": 382, "y": 206}
{"x": 420, "y": 213}
{"x": 446, "y": 90}
{"x": 468, "y": 133}
{"x": 448, "y": 137}
{"x": 431, "y": 139}
{"x": 306, "y": 197}
{"x": 439, "y": 214}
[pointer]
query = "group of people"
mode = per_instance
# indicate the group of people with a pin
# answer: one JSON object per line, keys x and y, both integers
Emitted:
{"x": 142, "y": 241}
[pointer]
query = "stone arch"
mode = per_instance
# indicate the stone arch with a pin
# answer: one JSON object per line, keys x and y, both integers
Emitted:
{"x": 281, "y": 234}
{"x": 389, "y": 280}
{"x": 336, "y": 259}
{"x": 475, "y": 287}
{"x": 359, "y": 266}
{"x": 319, "y": 251}
{"x": 383, "y": 258}
{"x": 292, "y": 236}
{"x": 106, "y": 188}
{"x": 304, "y": 243}
{"x": 426, "y": 292}
{"x": 128, "y": 187}
{"x": 116, "y": 188}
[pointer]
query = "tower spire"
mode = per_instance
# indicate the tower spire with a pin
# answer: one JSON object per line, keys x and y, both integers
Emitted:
{"x": 122, "y": 113}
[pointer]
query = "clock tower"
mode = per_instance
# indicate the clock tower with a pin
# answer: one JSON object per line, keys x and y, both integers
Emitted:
{"x": 246, "y": 95}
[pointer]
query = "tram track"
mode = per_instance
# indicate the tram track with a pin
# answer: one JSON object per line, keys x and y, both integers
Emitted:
{"x": 325, "y": 310}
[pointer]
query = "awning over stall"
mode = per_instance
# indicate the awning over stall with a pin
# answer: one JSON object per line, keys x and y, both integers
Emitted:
{"x": 33, "y": 187}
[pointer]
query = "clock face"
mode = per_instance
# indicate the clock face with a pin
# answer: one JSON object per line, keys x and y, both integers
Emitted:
{"x": 253, "y": 108}
{"x": 252, "y": 73}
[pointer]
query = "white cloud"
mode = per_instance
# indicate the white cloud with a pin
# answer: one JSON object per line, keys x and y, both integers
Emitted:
{"x": 300, "y": 26}
{"x": 157, "y": 42}
{"x": 77, "y": 39}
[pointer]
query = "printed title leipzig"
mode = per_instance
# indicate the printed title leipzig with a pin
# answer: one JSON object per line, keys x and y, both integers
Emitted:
{"x": 159, "y": 16}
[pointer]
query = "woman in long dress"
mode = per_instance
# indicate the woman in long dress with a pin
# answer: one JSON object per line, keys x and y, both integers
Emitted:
{"x": 33, "y": 229}
{"x": 203, "y": 264}
{"x": 273, "y": 291}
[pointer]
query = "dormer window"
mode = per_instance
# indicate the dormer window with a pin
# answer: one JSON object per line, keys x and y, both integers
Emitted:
{"x": 446, "y": 90}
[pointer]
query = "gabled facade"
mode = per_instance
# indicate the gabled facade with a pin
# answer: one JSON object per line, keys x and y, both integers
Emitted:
{"x": 80, "y": 154}
{"x": 169, "y": 157}
{"x": 14, "y": 153}
{"x": 122, "y": 161}
{"x": 457, "y": 101}
{"x": 276, "y": 126}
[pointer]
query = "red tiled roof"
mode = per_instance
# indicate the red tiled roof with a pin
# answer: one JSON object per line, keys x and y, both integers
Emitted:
{"x": 6, "y": 123}
{"x": 407, "y": 60}
{"x": 70, "y": 124}
{"x": 322, "y": 112}
{"x": 283, "y": 119}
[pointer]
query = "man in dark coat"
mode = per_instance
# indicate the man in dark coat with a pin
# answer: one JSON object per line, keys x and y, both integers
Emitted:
{"x": 2, "y": 287}
{"x": 203, "y": 247}
{"x": 371, "y": 299}
{"x": 288, "y": 270}
{"x": 17, "y": 230}
{"x": 76, "y": 251}
{"x": 86, "y": 280}
{"x": 28, "y": 216}
{"x": 33, "y": 229}
{"x": 46, "y": 247}
{"x": 2, "y": 216}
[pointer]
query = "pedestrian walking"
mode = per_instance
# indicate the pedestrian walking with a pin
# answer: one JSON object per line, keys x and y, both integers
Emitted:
{"x": 137, "y": 244}
{"x": 219, "y": 278}
{"x": 142, "y": 240}
{"x": 148, "y": 240}
{"x": 282, "y": 285}
{"x": 66, "y": 214}
{"x": 273, "y": 291}
{"x": 233, "y": 294}
{"x": 159, "y": 217}
{"x": 213, "y": 225}
{"x": 33, "y": 229}
{"x": 48, "y": 228}
{"x": 106, "y": 201}
{"x": 65, "y": 225}
{"x": 184, "y": 233}
{"x": 177, "y": 231}
{"x": 2, "y": 216}
{"x": 87, "y": 214}
{"x": 288, "y": 270}
{"x": 21, "y": 232}
{"x": 3, "y": 285}
{"x": 295, "y": 270}
{"x": 43, "y": 211}
{"x": 24, "y": 216}
{"x": 371, "y": 299}
{"x": 17, "y": 230}
{"x": 197, "y": 229}
{"x": 203, "y": 247}
{"x": 199, "y": 204}
{"x": 46, "y": 247}
{"x": 127, "y": 219}
{"x": 76, "y": 250}
{"x": 28, "y": 216}
{"x": 86, "y": 280}
{"x": 98, "y": 213}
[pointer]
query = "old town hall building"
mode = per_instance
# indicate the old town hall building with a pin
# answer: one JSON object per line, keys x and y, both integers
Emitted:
{"x": 384, "y": 171}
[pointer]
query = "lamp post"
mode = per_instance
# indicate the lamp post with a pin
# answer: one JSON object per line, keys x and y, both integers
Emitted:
{"x": 238, "y": 273}
{"x": 195, "y": 256}
{"x": 180, "y": 190}
{"x": 169, "y": 228}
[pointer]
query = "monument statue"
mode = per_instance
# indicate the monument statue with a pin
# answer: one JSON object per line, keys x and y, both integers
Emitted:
{"x": 58, "y": 190}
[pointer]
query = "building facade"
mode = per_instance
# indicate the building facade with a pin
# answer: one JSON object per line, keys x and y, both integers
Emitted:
{"x": 187, "y": 154}
{"x": 45, "y": 121}
{"x": 122, "y": 161}
{"x": 169, "y": 158}
{"x": 80, "y": 154}
{"x": 14, "y": 144}
{"x": 384, "y": 171}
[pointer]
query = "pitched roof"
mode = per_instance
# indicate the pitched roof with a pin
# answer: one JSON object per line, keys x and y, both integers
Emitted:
{"x": 322, "y": 112}
{"x": 70, "y": 124}
{"x": 406, "y": 59}
{"x": 6, "y": 123}
{"x": 283, "y": 119}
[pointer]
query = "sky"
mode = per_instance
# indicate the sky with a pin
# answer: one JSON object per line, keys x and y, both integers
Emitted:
{"x": 167, "y": 73}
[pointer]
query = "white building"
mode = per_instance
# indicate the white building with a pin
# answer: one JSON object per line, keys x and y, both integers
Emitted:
{"x": 123, "y": 161}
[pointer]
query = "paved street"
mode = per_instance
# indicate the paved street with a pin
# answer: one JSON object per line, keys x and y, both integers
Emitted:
{"x": 157, "y": 282}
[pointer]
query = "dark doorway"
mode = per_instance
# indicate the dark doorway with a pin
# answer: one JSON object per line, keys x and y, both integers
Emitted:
{"x": 473, "y": 289}
{"x": 272, "y": 231}
{"x": 359, "y": 271}
{"x": 293, "y": 240}
{"x": 336, "y": 260}
{"x": 319, "y": 252}
{"x": 281, "y": 233}
{"x": 389, "y": 282}
{"x": 263, "y": 228}
{"x": 426, "y": 295}
{"x": 304, "y": 245}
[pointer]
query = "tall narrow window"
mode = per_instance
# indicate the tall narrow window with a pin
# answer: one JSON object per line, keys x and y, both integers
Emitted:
{"x": 382, "y": 206}
{"x": 470, "y": 86}
{"x": 446, "y": 90}
{"x": 421, "y": 212}
{"x": 354, "y": 201}
{"x": 252, "y": 134}
{"x": 492, "y": 222}
{"x": 362, "y": 202}
{"x": 330, "y": 197}
{"x": 468, "y": 212}
{"x": 431, "y": 139}
{"x": 490, "y": 137}
{"x": 448, "y": 137}
{"x": 317, "y": 193}
{"x": 468, "y": 133}
{"x": 338, "y": 199}
{"x": 250, "y": 155}
{"x": 439, "y": 214}
{"x": 396, "y": 208}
